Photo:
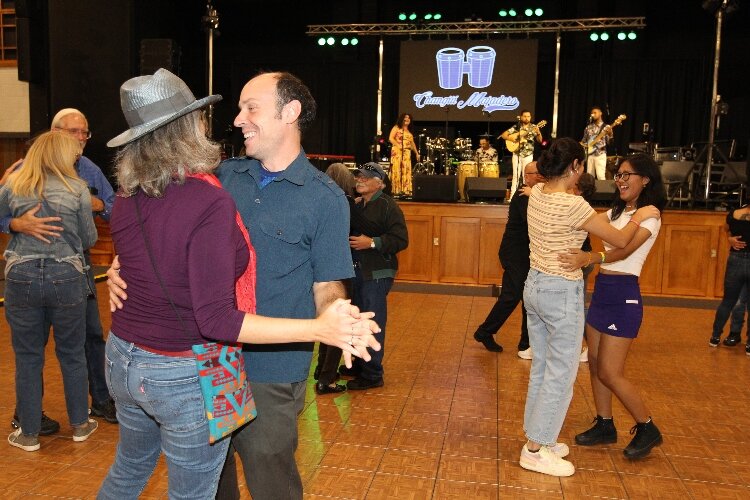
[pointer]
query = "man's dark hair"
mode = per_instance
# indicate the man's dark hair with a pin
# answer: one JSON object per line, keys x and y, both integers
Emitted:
{"x": 595, "y": 107}
{"x": 290, "y": 88}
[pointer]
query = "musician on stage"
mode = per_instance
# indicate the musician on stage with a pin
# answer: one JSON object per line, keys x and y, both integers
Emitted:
{"x": 596, "y": 162}
{"x": 485, "y": 153}
{"x": 402, "y": 144}
{"x": 523, "y": 134}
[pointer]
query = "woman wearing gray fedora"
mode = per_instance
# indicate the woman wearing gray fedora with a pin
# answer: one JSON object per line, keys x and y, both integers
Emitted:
{"x": 190, "y": 273}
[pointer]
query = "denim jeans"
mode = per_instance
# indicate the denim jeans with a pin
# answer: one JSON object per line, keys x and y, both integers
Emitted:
{"x": 160, "y": 409}
{"x": 738, "y": 313}
{"x": 736, "y": 277}
{"x": 94, "y": 342}
{"x": 372, "y": 295}
{"x": 39, "y": 293}
{"x": 555, "y": 309}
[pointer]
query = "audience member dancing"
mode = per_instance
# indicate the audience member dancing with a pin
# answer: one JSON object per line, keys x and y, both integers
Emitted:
{"x": 46, "y": 283}
{"x": 558, "y": 221}
{"x": 402, "y": 144}
{"x": 616, "y": 309}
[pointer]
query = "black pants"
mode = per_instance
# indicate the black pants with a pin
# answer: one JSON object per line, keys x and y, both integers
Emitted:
{"x": 511, "y": 293}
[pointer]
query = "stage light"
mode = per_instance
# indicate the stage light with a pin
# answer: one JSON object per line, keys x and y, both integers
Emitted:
{"x": 529, "y": 12}
{"x": 412, "y": 16}
{"x": 512, "y": 12}
{"x": 345, "y": 41}
{"x": 428, "y": 17}
{"x": 354, "y": 41}
{"x": 503, "y": 13}
{"x": 438, "y": 16}
{"x": 632, "y": 35}
{"x": 594, "y": 37}
{"x": 331, "y": 40}
{"x": 604, "y": 37}
{"x": 539, "y": 12}
{"x": 621, "y": 36}
{"x": 402, "y": 16}
{"x": 321, "y": 41}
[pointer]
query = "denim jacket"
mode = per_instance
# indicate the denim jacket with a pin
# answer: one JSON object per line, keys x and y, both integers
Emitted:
{"x": 78, "y": 224}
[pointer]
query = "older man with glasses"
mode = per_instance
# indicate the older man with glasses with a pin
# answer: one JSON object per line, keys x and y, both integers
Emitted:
{"x": 514, "y": 257}
{"x": 73, "y": 122}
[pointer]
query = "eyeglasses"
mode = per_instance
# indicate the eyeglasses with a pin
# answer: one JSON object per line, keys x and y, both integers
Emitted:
{"x": 78, "y": 132}
{"x": 624, "y": 176}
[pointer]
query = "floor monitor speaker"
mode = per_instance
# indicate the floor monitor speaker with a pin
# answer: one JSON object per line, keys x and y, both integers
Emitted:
{"x": 435, "y": 188}
{"x": 486, "y": 188}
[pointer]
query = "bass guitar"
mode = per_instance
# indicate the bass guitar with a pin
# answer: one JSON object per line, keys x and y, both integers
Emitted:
{"x": 522, "y": 137}
{"x": 590, "y": 146}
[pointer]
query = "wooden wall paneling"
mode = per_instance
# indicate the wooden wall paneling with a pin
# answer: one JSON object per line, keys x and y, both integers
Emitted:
{"x": 687, "y": 256}
{"x": 459, "y": 250}
{"x": 491, "y": 234}
{"x": 415, "y": 263}
{"x": 651, "y": 275}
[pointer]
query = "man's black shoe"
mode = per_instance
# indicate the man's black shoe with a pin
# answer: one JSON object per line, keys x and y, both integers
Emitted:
{"x": 647, "y": 436}
{"x": 316, "y": 373}
{"x": 714, "y": 341}
{"x": 349, "y": 372}
{"x": 360, "y": 384}
{"x": 48, "y": 427}
{"x": 732, "y": 340}
{"x": 105, "y": 410}
{"x": 488, "y": 341}
{"x": 603, "y": 432}
{"x": 327, "y": 389}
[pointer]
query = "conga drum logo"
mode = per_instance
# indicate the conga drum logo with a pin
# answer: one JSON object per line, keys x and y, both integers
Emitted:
{"x": 478, "y": 63}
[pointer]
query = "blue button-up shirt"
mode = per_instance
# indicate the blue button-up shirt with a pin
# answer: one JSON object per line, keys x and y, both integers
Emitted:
{"x": 299, "y": 226}
{"x": 94, "y": 177}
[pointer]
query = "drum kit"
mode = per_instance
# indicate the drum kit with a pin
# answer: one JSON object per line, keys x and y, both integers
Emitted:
{"x": 441, "y": 156}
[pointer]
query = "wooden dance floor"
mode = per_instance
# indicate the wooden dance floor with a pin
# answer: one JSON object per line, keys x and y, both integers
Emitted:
{"x": 447, "y": 424}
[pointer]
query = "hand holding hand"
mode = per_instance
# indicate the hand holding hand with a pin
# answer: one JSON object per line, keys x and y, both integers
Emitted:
{"x": 342, "y": 325}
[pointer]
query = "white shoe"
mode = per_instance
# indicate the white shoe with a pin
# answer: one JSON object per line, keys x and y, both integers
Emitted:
{"x": 546, "y": 462}
{"x": 525, "y": 354}
{"x": 584, "y": 355}
{"x": 560, "y": 449}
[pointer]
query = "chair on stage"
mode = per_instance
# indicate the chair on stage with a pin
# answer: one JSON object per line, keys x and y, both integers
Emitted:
{"x": 732, "y": 182}
{"x": 678, "y": 180}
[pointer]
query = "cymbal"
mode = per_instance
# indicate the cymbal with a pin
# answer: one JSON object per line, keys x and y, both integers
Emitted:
{"x": 486, "y": 135}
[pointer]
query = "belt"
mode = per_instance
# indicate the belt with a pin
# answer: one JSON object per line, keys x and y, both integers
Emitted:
{"x": 171, "y": 354}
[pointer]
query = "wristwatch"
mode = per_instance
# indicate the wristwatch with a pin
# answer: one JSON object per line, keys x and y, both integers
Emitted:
{"x": 372, "y": 243}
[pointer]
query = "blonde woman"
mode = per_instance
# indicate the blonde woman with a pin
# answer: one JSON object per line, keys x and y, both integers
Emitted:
{"x": 46, "y": 283}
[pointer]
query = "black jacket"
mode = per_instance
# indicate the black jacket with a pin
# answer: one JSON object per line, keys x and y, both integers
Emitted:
{"x": 382, "y": 220}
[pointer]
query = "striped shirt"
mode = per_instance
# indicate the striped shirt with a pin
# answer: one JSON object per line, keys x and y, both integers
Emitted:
{"x": 555, "y": 221}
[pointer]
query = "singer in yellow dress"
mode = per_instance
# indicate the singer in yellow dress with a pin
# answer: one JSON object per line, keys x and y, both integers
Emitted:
{"x": 402, "y": 144}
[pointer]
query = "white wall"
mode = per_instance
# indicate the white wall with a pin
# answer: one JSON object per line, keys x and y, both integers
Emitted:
{"x": 14, "y": 102}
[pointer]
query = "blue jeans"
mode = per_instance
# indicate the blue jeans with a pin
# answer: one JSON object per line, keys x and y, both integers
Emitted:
{"x": 160, "y": 409}
{"x": 372, "y": 295}
{"x": 736, "y": 277}
{"x": 94, "y": 345}
{"x": 738, "y": 313}
{"x": 555, "y": 317}
{"x": 39, "y": 293}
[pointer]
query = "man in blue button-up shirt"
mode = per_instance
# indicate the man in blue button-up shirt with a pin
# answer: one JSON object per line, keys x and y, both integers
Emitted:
{"x": 73, "y": 122}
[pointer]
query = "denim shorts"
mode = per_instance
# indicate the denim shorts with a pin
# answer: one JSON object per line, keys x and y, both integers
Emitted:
{"x": 616, "y": 305}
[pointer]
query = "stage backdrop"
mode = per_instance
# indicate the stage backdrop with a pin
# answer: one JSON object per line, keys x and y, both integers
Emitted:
{"x": 456, "y": 80}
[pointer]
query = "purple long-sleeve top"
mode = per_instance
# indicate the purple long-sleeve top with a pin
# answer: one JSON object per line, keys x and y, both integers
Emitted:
{"x": 199, "y": 253}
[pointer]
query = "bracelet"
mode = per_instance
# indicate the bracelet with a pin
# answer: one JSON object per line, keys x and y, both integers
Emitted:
{"x": 588, "y": 262}
{"x": 604, "y": 257}
{"x": 637, "y": 224}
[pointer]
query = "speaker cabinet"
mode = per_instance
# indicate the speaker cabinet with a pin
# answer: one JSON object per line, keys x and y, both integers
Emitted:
{"x": 435, "y": 188}
{"x": 605, "y": 191}
{"x": 485, "y": 189}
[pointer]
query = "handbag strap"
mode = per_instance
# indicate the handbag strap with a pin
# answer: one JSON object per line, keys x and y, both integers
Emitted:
{"x": 153, "y": 264}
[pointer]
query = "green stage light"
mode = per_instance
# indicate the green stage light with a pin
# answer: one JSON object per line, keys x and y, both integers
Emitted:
{"x": 631, "y": 35}
{"x": 594, "y": 37}
{"x": 354, "y": 41}
{"x": 321, "y": 41}
{"x": 528, "y": 12}
{"x": 402, "y": 17}
{"x": 437, "y": 17}
{"x": 427, "y": 17}
{"x": 412, "y": 16}
{"x": 503, "y": 13}
{"x": 331, "y": 40}
{"x": 539, "y": 12}
{"x": 512, "y": 12}
{"x": 621, "y": 36}
{"x": 345, "y": 41}
{"x": 605, "y": 36}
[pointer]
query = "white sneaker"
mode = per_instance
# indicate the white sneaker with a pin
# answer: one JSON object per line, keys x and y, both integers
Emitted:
{"x": 525, "y": 354}
{"x": 560, "y": 449}
{"x": 546, "y": 462}
{"x": 584, "y": 355}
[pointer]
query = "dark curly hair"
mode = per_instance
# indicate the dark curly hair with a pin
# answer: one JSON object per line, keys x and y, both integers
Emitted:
{"x": 653, "y": 192}
{"x": 401, "y": 118}
{"x": 587, "y": 186}
{"x": 559, "y": 157}
{"x": 290, "y": 88}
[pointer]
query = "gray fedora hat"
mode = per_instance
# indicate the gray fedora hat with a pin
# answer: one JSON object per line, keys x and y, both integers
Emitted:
{"x": 151, "y": 101}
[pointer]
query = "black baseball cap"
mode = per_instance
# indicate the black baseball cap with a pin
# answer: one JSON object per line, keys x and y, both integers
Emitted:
{"x": 371, "y": 169}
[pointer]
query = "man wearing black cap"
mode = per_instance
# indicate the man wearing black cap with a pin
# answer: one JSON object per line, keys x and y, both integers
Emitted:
{"x": 375, "y": 265}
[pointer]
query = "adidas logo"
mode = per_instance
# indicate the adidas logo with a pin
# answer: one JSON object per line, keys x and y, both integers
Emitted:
{"x": 612, "y": 327}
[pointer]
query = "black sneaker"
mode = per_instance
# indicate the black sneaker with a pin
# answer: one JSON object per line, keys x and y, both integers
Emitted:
{"x": 48, "y": 427}
{"x": 603, "y": 432}
{"x": 747, "y": 348}
{"x": 646, "y": 437}
{"x": 488, "y": 341}
{"x": 105, "y": 410}
{"x": 714, "y": 341}
{"x": 360, "y": 384}
{"x": 732, "y": 340}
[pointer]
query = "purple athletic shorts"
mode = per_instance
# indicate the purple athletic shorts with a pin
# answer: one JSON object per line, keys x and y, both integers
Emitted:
{"x": 616, "y": 306}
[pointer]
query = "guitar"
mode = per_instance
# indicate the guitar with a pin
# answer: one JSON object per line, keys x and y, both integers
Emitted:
{"x": 589, "y": 146}
{"x": 514, "y": 145}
